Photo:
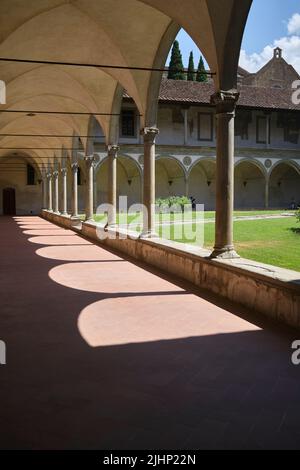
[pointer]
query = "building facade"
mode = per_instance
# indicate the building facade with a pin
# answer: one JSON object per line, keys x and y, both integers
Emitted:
{"x": 267, "y": 147}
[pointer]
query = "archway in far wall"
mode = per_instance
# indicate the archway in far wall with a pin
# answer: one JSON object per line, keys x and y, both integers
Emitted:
{"x": 202, "y": 183}
{"x": 249, "y": 186}
{"x": 9, "y": 201}
{"x": 129, "y": 180}
{"x": 284, "y": 185}
{"x": 169, "y": 178}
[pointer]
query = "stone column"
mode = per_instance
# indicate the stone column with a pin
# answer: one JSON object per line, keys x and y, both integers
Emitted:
{"x": 64, "y": 191}
{"x": 267, "y": 193}
{"x": 89, "y": 206}
{"x": 112, "y": 184}
{"x": 55, "y": 193}
{"x": 44, "y": 191}
{"x": 225, "y": 102}
{"x": 74, "y": 167}
{"x": 95, "y": 196}
{"x": 186, "y": 185}
{"x": 185, "y": 126}
{"x": 149, "y": 135}
{"x": 49, "y": 177}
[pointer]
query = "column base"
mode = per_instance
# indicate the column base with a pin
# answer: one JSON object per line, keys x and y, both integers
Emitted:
{"x": 149, "y": 234}
{"x": 75, "y": 221}
{"x": 224, "y": 253}
{"x": 64, "y": 213}
{"x": 111, "y": 225}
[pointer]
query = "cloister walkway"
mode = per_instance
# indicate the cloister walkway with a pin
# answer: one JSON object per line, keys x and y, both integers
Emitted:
{"x": 105, "y": 353}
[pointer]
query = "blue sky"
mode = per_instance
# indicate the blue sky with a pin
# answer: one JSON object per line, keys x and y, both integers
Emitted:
{"x": 271, "y": 23}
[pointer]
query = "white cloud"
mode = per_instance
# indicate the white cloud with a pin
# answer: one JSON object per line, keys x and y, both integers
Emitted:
{"x": 289, "y": 44}
{"x": 294, "y": 24}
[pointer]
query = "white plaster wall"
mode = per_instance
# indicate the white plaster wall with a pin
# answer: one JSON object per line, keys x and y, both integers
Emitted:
{"x": 282, "y": 195}
{"x": 28, "y": 198}
{"x": 199, "y": 189}
{"x": 251, "y": 195}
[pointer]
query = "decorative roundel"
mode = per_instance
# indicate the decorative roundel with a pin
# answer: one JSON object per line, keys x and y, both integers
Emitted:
{"x": 141, "y": 159}
{"x": 187, "y": 161}
{"x": 268, "y": 163}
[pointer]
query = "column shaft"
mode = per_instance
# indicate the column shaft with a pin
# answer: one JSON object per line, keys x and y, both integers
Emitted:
{"x": 89, "y": 206}
{"x": 56, "y": 197}
{"x": 225, "y": 110}
{"x": 44, "y": 191}
{"x": 112, "y": 184}
{"x": 74, "y": 167}
{"x": 50, "y": 207}
{"x": 64, "y": 191}
{"x": 149, "y": 134}
{"x": 267, "y": 193}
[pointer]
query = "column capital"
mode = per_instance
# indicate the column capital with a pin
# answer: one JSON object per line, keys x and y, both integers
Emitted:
{"x": 55, "y": 174}
{"x": 64, "y": 171}
{"x": 89, "y": 160}
{"x": 225, "y": 101}
{"x": 149, "y": 134}
{"x": 112, "y": 150}
{"x": 74, "y": 167}
{"x": 49, "y": 175}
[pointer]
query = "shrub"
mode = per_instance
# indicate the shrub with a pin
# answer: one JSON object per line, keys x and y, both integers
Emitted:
{"x": 172, "y": 203}
{"x": 298, "y": 215}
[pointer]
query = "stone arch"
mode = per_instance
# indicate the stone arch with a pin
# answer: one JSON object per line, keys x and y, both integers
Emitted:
{"x": 13, "y": 174}
{"x": 249, "y": 184}
{"x": 170, "y": 177}
{"x": 284, "y": 185}
{"x": 129, "y": 180}
{"x": 202, "y": 182}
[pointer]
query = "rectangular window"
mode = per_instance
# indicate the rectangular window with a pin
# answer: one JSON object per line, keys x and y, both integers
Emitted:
{"x": 30, "y": 175}
{"x": 263, "y": 125}
{"x": 128, "y": 123}
{"x": 205, "y": 126}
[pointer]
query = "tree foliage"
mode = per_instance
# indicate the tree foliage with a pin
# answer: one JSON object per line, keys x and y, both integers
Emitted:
{"x": 201, "y": 75}
{"x": 176, "y": 66}
{"x": 191, "y": 68}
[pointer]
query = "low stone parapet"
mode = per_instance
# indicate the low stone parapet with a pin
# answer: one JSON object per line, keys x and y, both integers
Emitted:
{"x": 266, "y": 289}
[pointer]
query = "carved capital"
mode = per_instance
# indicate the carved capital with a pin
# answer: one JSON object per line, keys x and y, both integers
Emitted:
{"x": 64, "y": 171}
{"x": 49, "y": 176}
{"x": 74, "y": 167}
{"x": 55, "y": 174}
{"x": 89, "y": 158}
{"x": 225, "y": 101}
{"x": 112, "y": 150}
{"x": 149, "y": 134}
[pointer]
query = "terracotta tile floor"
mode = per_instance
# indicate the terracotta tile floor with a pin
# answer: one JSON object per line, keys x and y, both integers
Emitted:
{"x": 104, "y": 353}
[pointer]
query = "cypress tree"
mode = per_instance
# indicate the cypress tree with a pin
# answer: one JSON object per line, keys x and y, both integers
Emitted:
{"x": 191, "y": 68}
{"x": 201, "y": 77}
{"x": 176, "y": 65}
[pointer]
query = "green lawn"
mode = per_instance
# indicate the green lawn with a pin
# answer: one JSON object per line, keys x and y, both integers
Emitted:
{"x": 271, "y": 241}
{"x": 137, "y": 217}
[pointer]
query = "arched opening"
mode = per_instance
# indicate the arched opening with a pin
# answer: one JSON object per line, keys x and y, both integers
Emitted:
{"x": 129, "y": 181}
{"x": 284, "y": 186}
{"x": 202, "y": 183}
{"x": 249, "y": 186}
{"x": 169, "y": 178}
{"x": 20, "y": 174}
{"x": 9, "y": 201}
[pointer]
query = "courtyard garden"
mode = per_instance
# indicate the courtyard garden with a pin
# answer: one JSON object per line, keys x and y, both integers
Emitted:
{"x": 267, "y": 236}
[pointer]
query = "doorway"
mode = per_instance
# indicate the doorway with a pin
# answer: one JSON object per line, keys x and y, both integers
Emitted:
{"x": 9, "y": 201}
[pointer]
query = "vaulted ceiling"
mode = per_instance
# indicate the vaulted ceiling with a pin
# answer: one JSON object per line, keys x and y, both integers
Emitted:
{"x": 123, "y": 33}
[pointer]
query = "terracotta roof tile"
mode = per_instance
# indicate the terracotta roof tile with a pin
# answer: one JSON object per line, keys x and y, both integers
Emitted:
{"x": 250, "y": 96}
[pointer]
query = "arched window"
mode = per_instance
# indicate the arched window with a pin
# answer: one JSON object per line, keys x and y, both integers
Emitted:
{"x": 79, "y": 180}
{"x": 30, "y": 175}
